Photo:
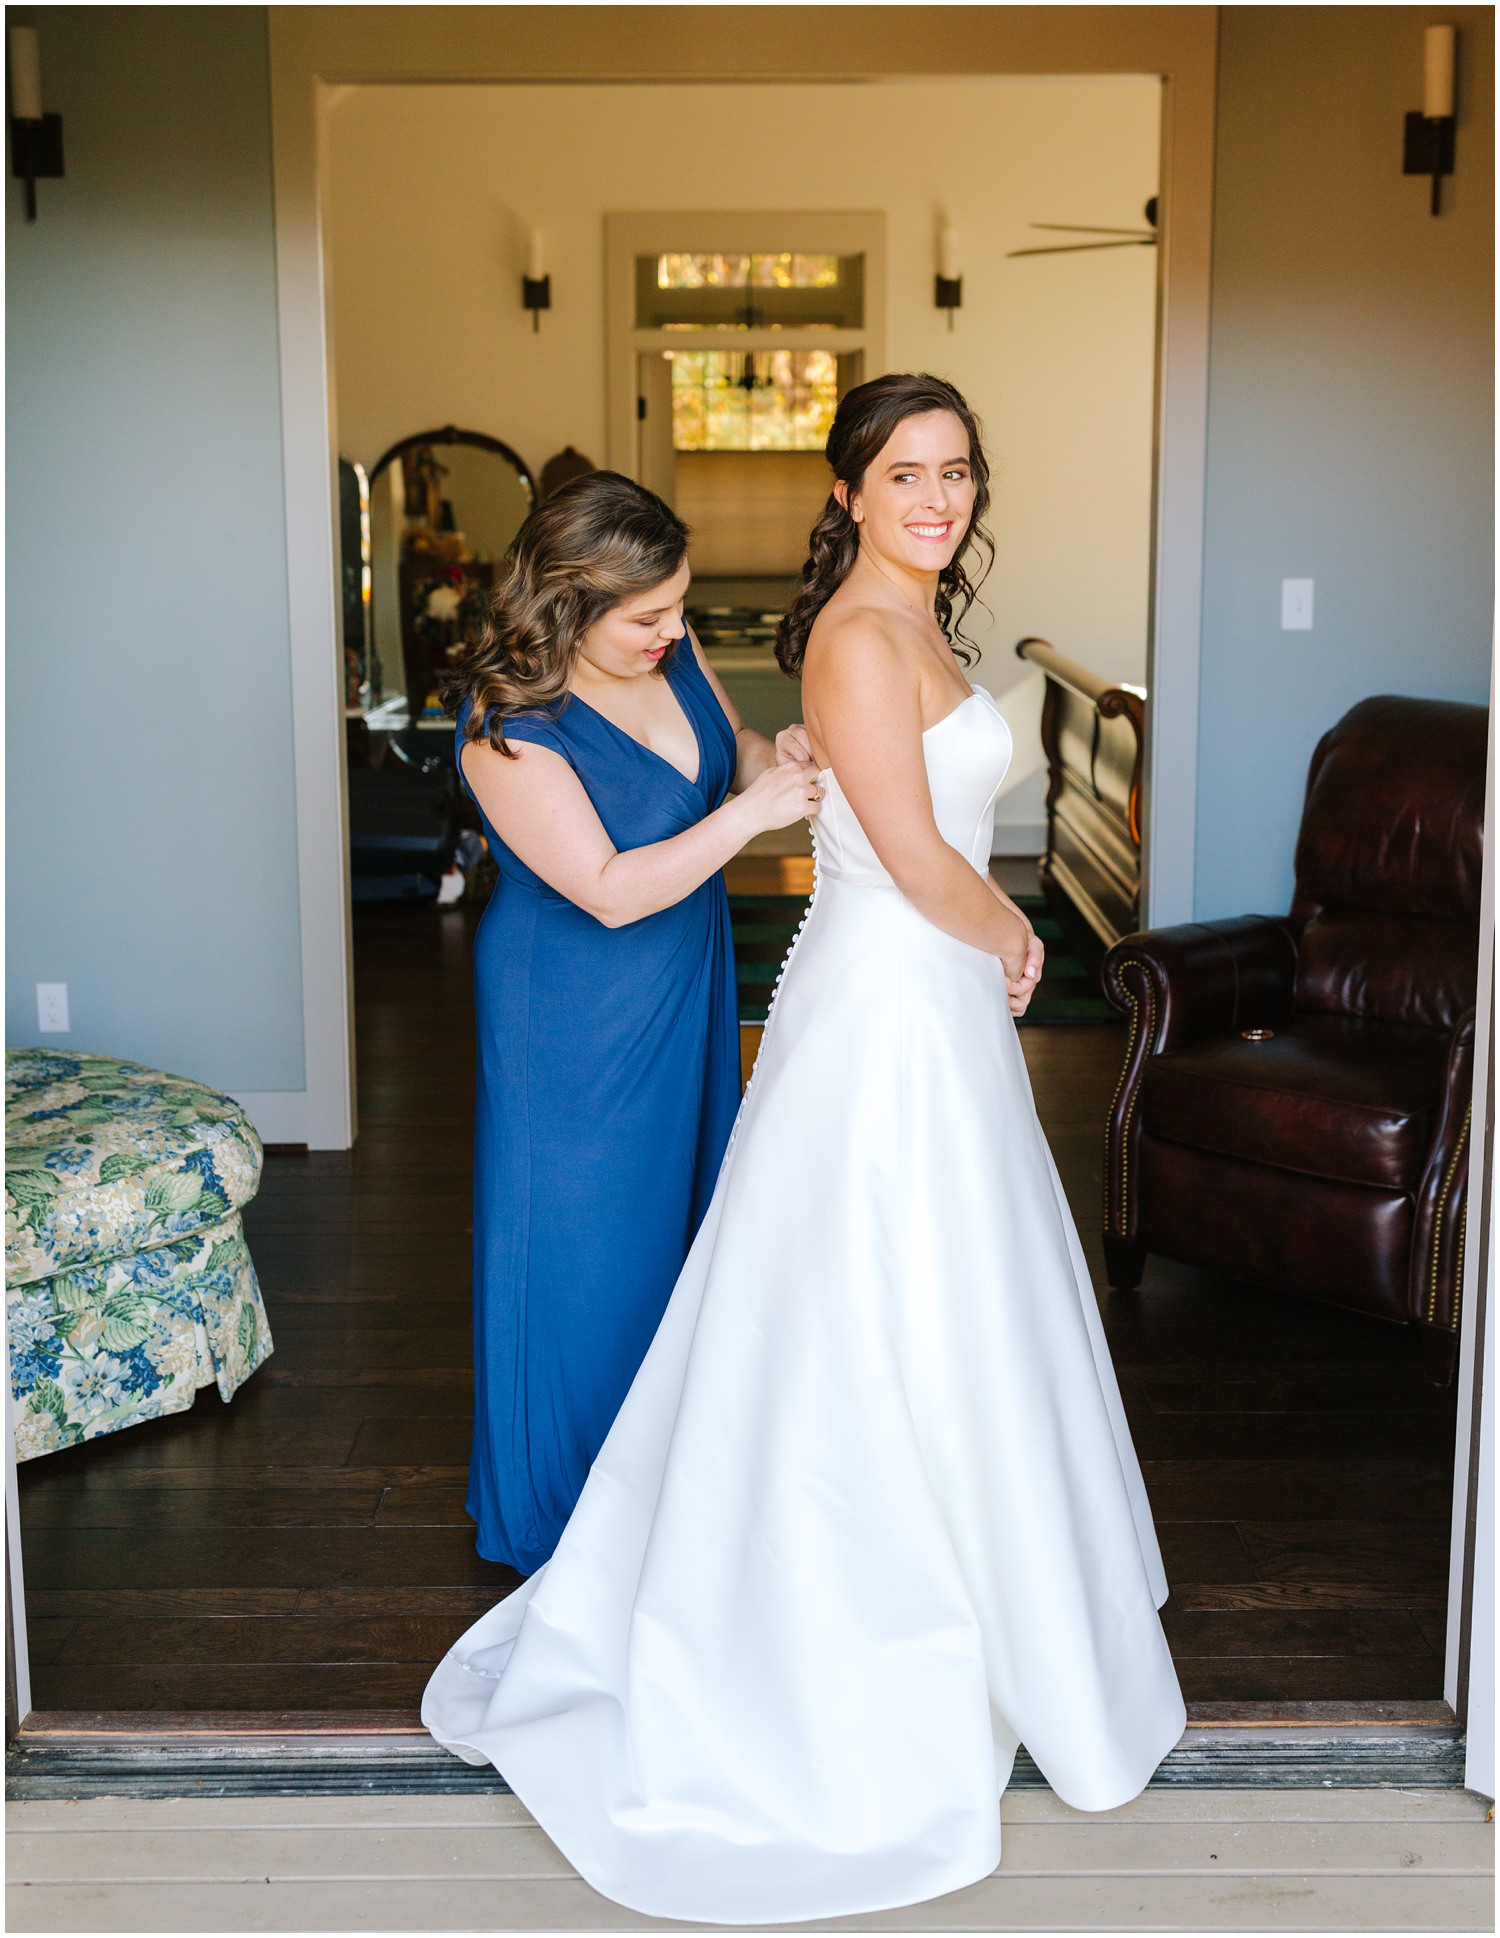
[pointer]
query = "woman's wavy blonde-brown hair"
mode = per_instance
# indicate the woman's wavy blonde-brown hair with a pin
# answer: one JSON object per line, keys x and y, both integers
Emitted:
{"x": 594, "y": 543}
{"x": 865, "y": 420}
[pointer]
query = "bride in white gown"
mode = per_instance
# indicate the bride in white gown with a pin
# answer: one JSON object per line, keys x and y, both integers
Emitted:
{"x": 869, "y": 1517}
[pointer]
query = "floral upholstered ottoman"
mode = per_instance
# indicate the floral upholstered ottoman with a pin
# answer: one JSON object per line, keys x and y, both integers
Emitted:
{"x": 128, "y": 1283}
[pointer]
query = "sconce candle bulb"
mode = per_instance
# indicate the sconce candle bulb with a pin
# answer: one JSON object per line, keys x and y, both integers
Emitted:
{"x": 1439, "y": 48}
{"x": 948, "y": 254}
{"x": 25, "y": 74}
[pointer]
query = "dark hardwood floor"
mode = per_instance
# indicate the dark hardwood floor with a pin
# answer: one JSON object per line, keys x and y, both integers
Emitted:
{"x": 305, "y": 1548}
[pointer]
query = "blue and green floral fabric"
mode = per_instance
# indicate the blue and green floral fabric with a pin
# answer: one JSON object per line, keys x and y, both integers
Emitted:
{"x": 106, "y": 1346}
{"x": 129, "y": 1285}
{"x": 104, "y": 1158}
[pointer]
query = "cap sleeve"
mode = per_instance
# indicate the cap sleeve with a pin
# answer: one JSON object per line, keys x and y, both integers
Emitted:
{"x": 537, "y": 729}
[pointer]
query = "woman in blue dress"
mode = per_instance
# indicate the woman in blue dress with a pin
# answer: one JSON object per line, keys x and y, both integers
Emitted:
{"x": 615, "y": 780}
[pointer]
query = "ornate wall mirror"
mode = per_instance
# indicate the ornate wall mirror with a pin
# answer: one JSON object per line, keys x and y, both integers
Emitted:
{"x": 444, "y": 507}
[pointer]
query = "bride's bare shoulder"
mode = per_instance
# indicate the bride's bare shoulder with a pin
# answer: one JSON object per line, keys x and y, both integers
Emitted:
{"x": 855, "y": 641}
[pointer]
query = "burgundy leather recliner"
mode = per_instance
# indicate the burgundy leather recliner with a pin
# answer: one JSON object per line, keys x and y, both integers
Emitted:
{"x": 1294, "y": 1106}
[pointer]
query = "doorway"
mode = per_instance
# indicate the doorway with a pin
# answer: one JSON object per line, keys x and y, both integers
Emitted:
{"x": 419, "y": 1473}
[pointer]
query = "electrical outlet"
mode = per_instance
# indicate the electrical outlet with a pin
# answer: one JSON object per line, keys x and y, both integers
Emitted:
{"x": 1296, "y": 605}
{"x": 52, "y": 1008}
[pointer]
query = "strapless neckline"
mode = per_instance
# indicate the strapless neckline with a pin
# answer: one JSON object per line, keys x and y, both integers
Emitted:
{"x": 975, "y": 693}
{"x": 966, "y": 765}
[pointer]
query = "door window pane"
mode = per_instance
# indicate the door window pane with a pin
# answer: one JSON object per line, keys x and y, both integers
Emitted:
{"x": 772, "y": 400}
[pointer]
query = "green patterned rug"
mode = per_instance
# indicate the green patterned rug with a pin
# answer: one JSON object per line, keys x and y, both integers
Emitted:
{"x": 765, "y": 924}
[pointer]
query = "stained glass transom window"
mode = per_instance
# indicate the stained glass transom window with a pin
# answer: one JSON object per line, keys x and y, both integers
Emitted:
{"x": 775, "y": 291}
{"x": 785, "y": 271}
{"x": 771, "y": 400}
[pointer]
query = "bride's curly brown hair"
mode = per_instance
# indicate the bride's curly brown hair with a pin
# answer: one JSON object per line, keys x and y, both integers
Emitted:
{"x": 865, "y": 419}
{"x": 596, "y": 542}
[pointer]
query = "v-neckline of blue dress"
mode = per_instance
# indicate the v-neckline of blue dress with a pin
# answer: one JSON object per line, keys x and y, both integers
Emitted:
{"x": 683, "y": 707}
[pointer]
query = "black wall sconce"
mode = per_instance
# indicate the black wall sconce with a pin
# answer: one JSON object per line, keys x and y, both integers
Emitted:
{"x": 36, "y": 149}
{"x": 1430, "y": 134}
{"x": 536, "y": 284}
{"x": 948, "y": 285}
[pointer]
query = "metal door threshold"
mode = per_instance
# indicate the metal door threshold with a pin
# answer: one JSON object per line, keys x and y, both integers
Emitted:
{"x": 1303, "y": 1746}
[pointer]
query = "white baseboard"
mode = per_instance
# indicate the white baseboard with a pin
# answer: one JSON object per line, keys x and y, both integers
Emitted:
{"x": 279, "y": 1115}
{"x": 1019, "y": 838}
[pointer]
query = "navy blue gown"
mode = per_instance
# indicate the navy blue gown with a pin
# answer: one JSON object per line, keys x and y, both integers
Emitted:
{"x": 608, "y": 1082}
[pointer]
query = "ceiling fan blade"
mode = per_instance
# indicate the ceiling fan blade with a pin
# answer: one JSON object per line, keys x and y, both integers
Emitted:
{"x": 1076, "y": 248}
{"x": 1090, "y": 229}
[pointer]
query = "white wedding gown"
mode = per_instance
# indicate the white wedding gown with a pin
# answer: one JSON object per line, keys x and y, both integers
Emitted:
{"x": 870, "y": 1516}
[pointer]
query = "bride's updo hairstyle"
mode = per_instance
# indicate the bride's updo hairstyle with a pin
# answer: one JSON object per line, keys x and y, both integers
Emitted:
{"x": 862, "y": 426}
{"x": 595, "y": 543}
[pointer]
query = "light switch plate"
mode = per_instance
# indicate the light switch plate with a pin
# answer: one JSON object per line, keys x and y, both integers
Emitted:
{"x": 52, "y": 1008}
{"x": 1296, "y": 605}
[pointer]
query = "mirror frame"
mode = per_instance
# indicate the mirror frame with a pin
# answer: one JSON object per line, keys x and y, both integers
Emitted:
{"x": 450, "y": 434}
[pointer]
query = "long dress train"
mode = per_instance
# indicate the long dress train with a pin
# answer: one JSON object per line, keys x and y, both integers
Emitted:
{"x": 870, "y": 1516}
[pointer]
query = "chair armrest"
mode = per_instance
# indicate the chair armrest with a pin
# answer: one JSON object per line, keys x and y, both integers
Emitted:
{"x": 1178, "y": 985}
{"x": 1205, "y": 978}
{"x": 1437, "y": 1259}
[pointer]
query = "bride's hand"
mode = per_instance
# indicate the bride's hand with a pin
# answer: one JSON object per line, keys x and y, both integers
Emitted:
{"x": 792, "y": 744}
{"x": 1022, "y": 988}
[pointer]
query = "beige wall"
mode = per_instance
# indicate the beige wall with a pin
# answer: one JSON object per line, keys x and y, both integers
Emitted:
{"x": 431, "y": 192}
{"x": 754, "y": 43}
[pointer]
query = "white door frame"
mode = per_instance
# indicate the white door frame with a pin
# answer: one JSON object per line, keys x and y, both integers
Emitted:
{"x": 310, "y": 444}
{"x": 313, "y": 48}
{"x": 1469, "y": 1651}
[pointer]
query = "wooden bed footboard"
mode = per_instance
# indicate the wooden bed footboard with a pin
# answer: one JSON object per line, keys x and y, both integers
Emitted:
{"x": 1092, "y": 735}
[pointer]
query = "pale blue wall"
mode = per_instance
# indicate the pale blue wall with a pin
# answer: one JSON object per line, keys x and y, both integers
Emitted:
{"x": 1350, "y": 412}
{"x": 152, "y": 839}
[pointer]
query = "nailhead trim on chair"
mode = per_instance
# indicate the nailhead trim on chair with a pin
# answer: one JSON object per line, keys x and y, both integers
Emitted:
{"x": 1437, "y": 1235}
{"x": 1116, "y": 1213}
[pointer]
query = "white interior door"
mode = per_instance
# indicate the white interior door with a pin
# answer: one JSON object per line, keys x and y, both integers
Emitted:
{"x": 655, "y": 459}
